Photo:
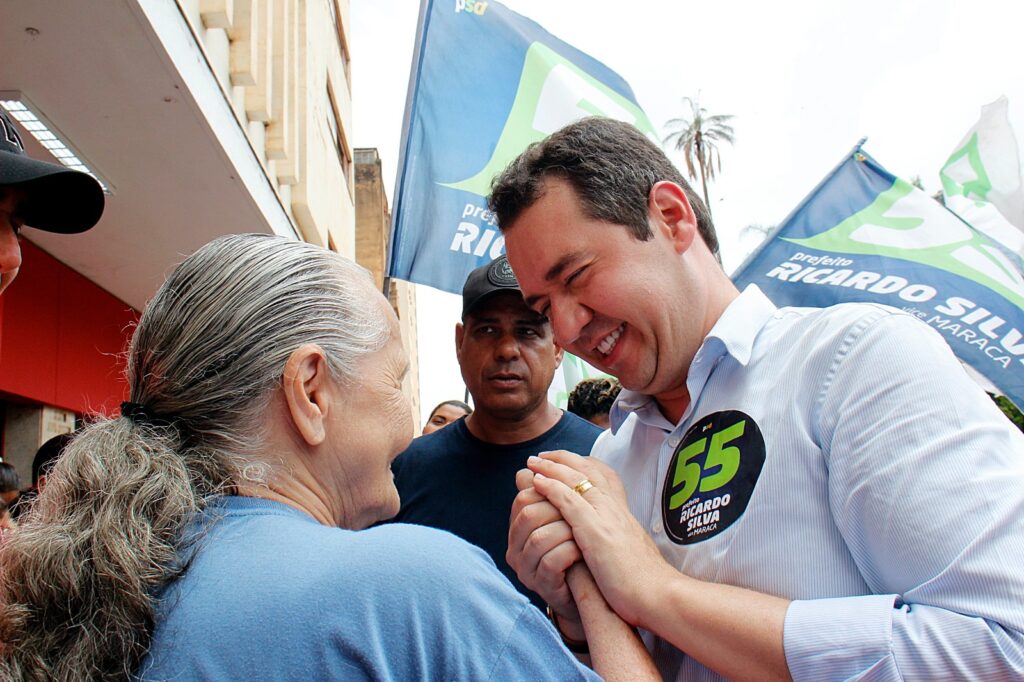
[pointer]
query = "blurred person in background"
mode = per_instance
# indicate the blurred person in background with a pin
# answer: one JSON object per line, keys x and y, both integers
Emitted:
{"x": 7, "y": 523}
{"x": 45, "y": 457}
{"x": 592, "y": 399}
{"x": 446, "y": 413}
{"x": 10, "y": 483}
{"x": 10, "y": 490}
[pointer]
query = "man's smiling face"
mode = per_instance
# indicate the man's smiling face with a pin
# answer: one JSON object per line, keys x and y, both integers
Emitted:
{"x": 624, "y": 305}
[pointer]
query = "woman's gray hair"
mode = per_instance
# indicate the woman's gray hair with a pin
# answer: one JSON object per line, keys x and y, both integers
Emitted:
{"x": 79, "y": 580}
{"x": 215, "y": 339}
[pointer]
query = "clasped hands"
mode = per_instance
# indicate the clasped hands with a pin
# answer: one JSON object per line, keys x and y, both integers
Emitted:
{"x": 554, "y": 526}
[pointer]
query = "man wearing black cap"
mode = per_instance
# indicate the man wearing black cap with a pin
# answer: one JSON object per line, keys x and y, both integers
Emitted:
{"x": 462, "y": 478}
{"x": 38, "y": 194}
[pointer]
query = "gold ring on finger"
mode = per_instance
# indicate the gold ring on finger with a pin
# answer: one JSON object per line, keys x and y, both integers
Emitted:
{"x": 583, "y": 486}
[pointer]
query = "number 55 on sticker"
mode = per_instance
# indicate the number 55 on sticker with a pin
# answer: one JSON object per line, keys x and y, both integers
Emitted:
{"x": 711, "y": 476}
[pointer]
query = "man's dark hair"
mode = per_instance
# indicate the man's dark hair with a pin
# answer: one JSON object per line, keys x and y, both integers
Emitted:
{"x": 9, "y": 479}
{"x": 610, "y": 165}
{"x": 593, "y": 397}
{"x": 47, "y": 454}
{"x": 454, "y": 403}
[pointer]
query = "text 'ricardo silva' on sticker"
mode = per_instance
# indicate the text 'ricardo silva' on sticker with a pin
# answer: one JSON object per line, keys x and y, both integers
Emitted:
{"x": 711, "y": 476}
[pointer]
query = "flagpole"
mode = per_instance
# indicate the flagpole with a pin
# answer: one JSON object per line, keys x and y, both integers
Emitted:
{"x": 767, "y": 240}
{"x": 410, "y": 98}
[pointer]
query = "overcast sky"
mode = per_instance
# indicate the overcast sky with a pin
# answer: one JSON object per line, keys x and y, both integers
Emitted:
{"x": 804, "y": 79}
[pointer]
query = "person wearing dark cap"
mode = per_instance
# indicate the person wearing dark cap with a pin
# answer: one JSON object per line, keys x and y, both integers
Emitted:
{"x": 38, "y": 194}
{"x": 462, "y": 478}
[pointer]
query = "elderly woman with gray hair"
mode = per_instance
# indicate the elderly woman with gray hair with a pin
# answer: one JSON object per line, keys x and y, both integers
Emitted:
{"x": 209, "y": 532}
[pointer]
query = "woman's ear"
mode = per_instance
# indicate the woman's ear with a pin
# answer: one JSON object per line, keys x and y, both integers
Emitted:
{"x": 306, "y": 383}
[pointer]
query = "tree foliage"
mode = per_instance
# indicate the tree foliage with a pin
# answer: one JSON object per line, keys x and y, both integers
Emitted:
{"x": 757, "y": 230}
{"x": 1009, "y": 409}
{"x": 698, "y": 137}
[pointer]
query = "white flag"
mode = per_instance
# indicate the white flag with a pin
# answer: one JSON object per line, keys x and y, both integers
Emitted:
{"x": 982, "y": 178}
{"x": 573, "y": 371}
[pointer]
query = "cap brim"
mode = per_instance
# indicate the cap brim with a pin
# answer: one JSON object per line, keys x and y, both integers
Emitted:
{"x": 486, "y": 296}
{"x": 58, "y": 199}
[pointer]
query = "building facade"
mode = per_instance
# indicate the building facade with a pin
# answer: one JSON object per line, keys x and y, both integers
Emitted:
{"x": 373, "y": 230}
{"x": 202, "y": 118}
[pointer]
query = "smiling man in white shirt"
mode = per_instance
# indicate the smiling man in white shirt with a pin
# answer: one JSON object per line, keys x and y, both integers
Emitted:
{"x": 806, "y": 493}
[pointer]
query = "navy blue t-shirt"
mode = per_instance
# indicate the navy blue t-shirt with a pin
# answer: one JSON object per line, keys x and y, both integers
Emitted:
{"x": 452, "y": 480}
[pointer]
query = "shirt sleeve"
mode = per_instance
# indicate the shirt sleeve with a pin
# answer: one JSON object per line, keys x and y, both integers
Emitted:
{"x": 446, "y": 613}
{"x": 502, "y": 630}
{"x": 534, "y": 652}
{"x": 926, "y": 485}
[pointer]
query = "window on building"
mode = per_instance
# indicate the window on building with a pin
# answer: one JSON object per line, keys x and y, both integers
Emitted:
{"x": 332, "y": 7}
{"x": 338, "y": 138}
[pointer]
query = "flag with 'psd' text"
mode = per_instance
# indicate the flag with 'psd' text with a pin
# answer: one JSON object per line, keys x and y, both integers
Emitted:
{"x": 485, "y": 83}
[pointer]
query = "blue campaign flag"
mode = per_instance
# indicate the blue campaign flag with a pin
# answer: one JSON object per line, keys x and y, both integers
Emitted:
{"x": 865, "y": 235}
{"x": 485, "y": 83}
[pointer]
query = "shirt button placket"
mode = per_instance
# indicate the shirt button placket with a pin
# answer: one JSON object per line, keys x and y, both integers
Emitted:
{"x": 657, "y": 527}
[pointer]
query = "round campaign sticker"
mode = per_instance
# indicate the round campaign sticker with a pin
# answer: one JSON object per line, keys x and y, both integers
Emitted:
{"x": 711, "y": 476}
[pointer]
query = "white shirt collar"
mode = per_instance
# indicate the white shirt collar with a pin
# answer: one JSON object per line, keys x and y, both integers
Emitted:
{"x": 733, "y": 334}
{"x": 740, "y": 324}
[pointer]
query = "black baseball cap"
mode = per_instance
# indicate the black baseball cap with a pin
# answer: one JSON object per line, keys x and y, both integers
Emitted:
{"x": 487, "y": 280}
{"x": 58, "y": 199}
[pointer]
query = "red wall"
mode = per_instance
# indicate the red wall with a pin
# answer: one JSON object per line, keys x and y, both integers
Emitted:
{"x": 61, "y": 337}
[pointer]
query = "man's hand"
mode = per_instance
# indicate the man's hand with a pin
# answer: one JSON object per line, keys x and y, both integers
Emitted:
{"x": 622, "y": 557}
{"x": 734, "y": 631}
{"x": 541, "y": 549}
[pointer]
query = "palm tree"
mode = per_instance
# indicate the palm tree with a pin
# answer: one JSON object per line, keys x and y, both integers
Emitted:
{"x": 698, "y": 137}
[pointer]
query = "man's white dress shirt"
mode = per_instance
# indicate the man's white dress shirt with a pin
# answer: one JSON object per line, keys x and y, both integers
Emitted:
{"x": 840, "y": 458}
